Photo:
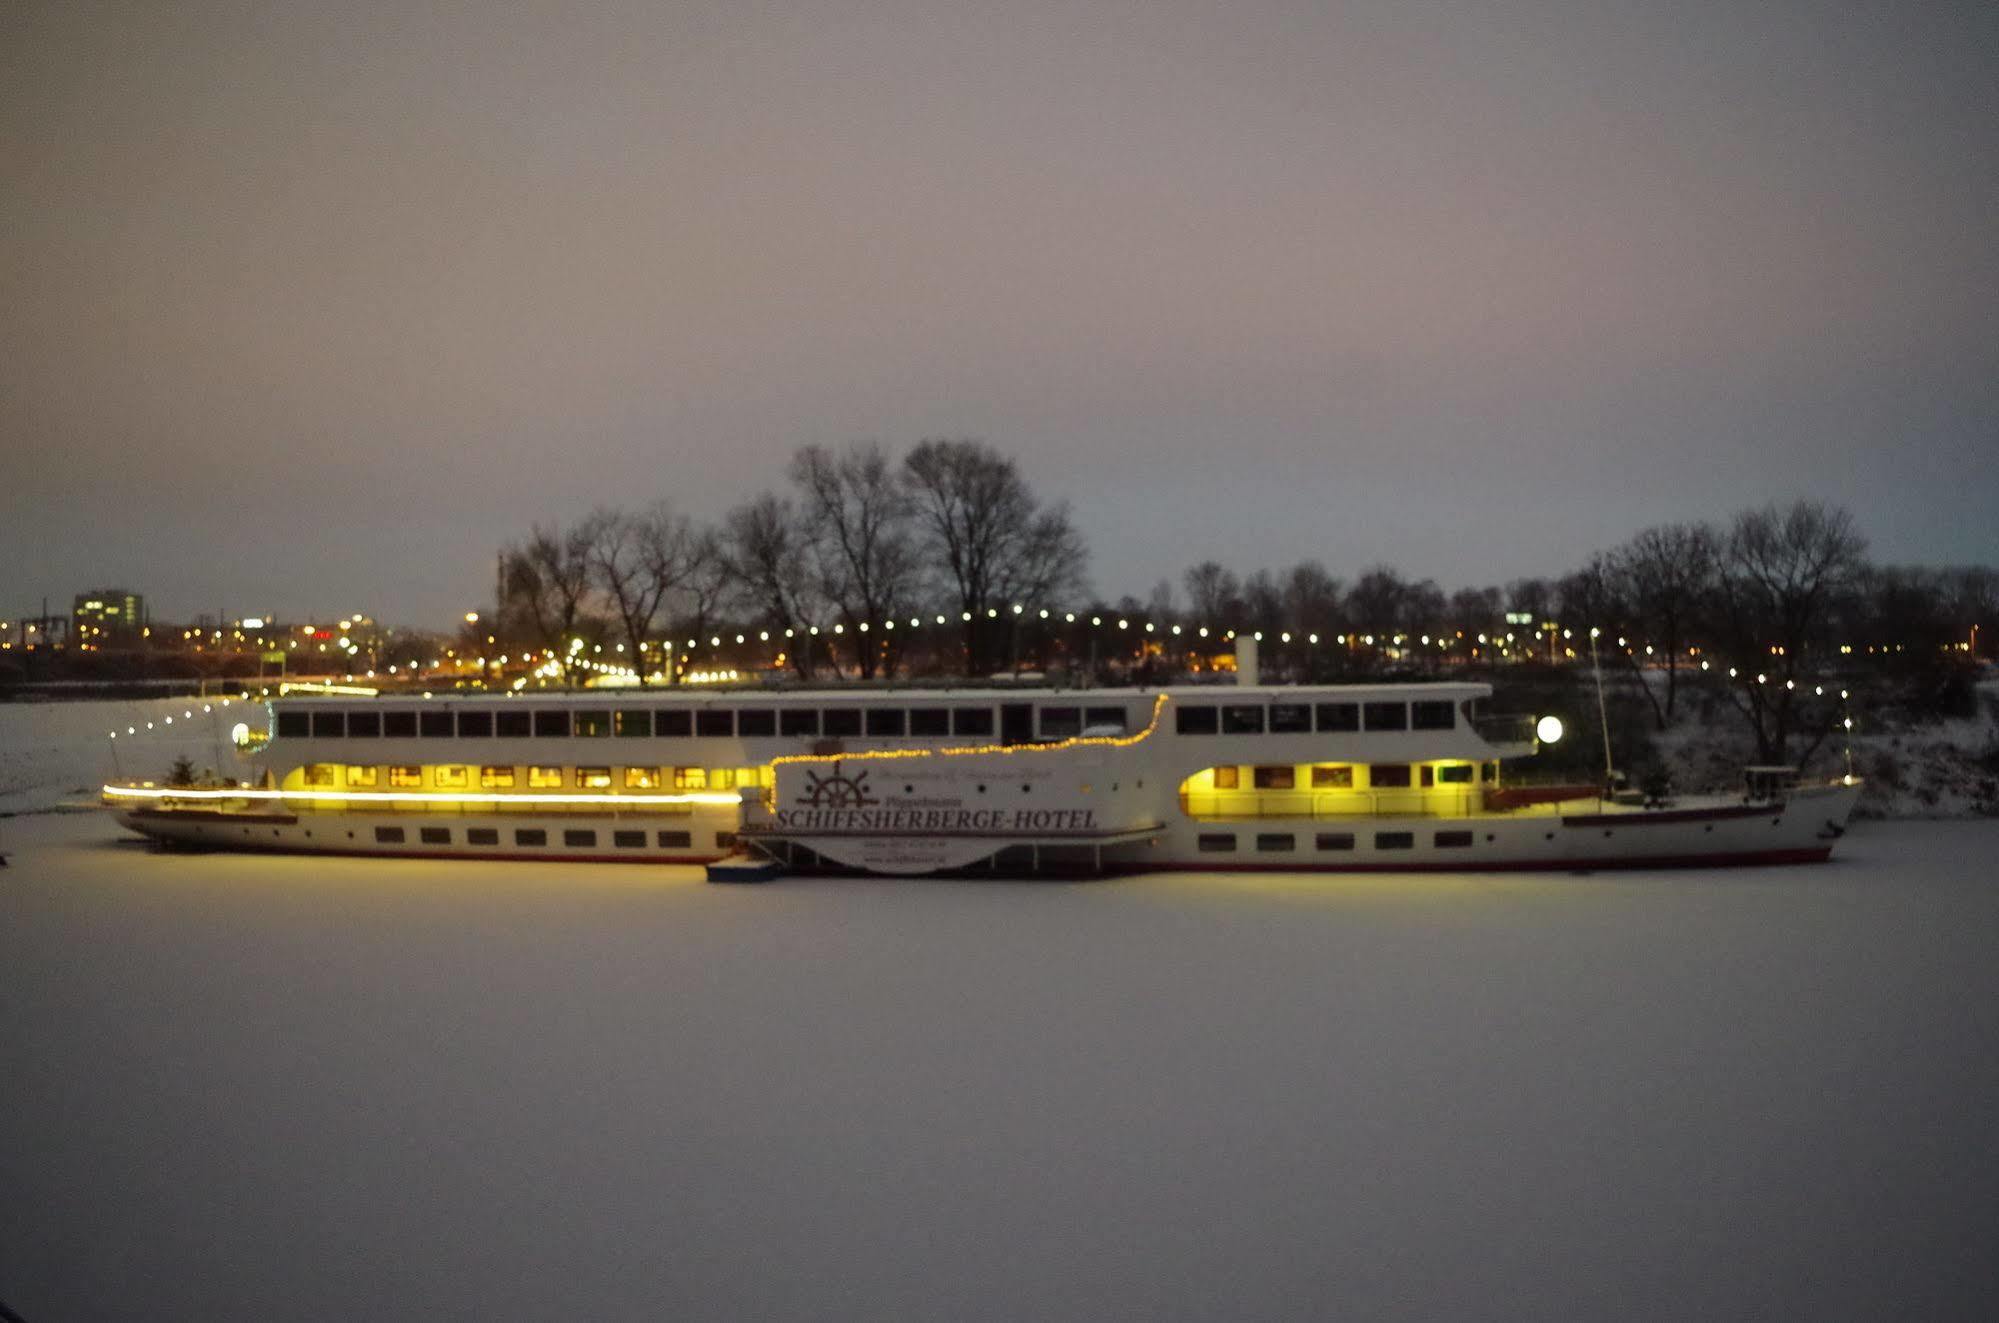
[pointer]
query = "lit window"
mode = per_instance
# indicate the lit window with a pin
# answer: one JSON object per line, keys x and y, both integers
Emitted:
{"x": 321, "y": 774}
{"x": 1384, "y": 775}
{"x": 690, "y": 778}
{"x": 362, "y": 777}
{"x": 722, "y": 778}
{"x": 407, "y": 778}
{"x": 1276, "y": 778}
{"x": 1227, "y": 778}
{"x": 496, "y": 778}
{"x": 544, "y": 778}
{"x": 1456, "y": 773}
{"x": 641, "y": 778}
{"x": 1332, "y": 778}
{"x": 593, "y": 778}
{"x": 451, "y": 778}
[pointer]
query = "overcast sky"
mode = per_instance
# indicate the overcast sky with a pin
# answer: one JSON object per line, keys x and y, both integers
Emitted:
{"x": 308, "y": 307}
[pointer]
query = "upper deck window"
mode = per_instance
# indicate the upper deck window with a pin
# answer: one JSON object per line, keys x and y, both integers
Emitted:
{"x": 673, "y": 721}
{"x": 1061, "y": 723}
{"x": 841, "y": 720}
{"x": 1432, "y": 716}
{"x": 1290, "y": 718}
{"x": 631, "y": 721}
{"x": 326, "y": 725}
{"x": 1339, "y": 716}
{"x": 1196, "y": 720}
{"x": 928, "y": 721}
{"x": 1106, "y": 718}
{"x": 547, "y": 723}
{"x": 885, "y": 720}
{"x": 364, "y": 725}
{"x": 476, "y": 725}
{"x": 971, "y": 721}
{"x": 1386, "y": 716}
{"x": 715, "y": 721}
{"x": 294, "y": 725}
{"x": 509, "y": 722}
{"x": 756, "y": 721}
{"x": 399, "y": 724}
{"x": 1242, "y": 719}
{"x": 798, "y": 721}
{"x": 593, "y": 724}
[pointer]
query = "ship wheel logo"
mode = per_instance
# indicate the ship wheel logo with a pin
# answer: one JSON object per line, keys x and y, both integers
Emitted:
{"x": 834, "y": 791}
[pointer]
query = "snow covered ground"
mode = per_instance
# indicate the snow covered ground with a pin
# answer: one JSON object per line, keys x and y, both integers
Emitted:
{"x": 246, "y": 1087}
{"x": 51, "y": 753}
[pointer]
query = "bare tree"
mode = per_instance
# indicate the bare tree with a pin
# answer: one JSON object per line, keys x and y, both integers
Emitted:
{"x": 859, "y": 520}
{"x": 1669, "y": 573}
{"x": 763, "y": 552}
{"x": 639, "y": 561}
{"x": 1214, "y": 594}
{"x": 546, "y": 584}
{"x": 1783, "y": 572}
{"x": 995, "y": 545}
{"x": 1311, "y": 599}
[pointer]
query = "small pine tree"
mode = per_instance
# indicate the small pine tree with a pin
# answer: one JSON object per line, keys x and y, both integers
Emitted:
{"x": 182, "y": 772}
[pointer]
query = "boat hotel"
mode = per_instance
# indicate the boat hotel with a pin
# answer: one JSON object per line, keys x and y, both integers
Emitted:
{"x": 916, "y": 781}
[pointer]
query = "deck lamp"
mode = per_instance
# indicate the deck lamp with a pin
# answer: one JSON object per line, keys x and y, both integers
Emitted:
{"x": 1548, "y": 730}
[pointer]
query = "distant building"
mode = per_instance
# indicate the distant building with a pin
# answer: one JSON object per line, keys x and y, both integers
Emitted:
{"x": 107, "y": 615}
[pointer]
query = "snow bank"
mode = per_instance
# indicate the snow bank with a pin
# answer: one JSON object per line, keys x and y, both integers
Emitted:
{"x": 53, "y": 753}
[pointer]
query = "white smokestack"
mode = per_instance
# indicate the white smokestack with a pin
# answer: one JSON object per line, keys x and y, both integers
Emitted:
{"x": 1245, "y": 659}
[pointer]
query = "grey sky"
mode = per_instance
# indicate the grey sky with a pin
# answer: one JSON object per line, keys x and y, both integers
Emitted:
{"x": 308, "y": 307}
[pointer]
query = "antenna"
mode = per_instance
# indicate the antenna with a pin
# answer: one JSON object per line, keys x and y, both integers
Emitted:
{"x": 1602, "y": 719}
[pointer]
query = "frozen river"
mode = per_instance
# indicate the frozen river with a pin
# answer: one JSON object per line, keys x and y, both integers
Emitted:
{"x": 241, "y": 1087}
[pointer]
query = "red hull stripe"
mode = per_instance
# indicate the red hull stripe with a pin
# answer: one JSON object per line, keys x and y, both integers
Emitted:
{"x": 1733, "y": 859}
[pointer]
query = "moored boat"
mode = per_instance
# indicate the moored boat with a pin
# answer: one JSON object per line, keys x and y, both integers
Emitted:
{"x": 914, "y": 781}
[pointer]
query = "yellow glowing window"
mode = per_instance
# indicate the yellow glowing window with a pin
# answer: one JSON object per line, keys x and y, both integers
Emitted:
{"x": 320, "y": 774}
{"x": 641, "y": 778}
{"x": 451, "y": 778}
{"x": 593, "y": 778}
{"x": 722, "y": 778}
{"x": 408, "y": 778}
{"x": 1276, "y": 778}
{"x": 690, "y": 778}
{"x": 748, "y": 776}
{"x": 362, "y": 777}
{"x": 1227, "y": 778}
{"x": 1455, "y": 774}
{"x": 496, "y": 778}
{"x": 1383, "y": 775}
{"x": 545, "y": 778}
{"x": 1332, "y": 778}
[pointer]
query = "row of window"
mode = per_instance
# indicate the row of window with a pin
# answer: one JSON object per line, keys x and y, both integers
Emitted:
{"x": 500, "y": 777}
{"x": 1224, "y": 842}
{"x": 1056, "y": 722}
{"x": 1303, "y": 718}
{"x": 1340, "y": 776}
{"x": 572, "y": 838}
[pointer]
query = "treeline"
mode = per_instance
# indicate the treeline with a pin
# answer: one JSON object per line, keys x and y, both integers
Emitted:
{"x": 856, "y": 540}
{"x": 943, "y": 560}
